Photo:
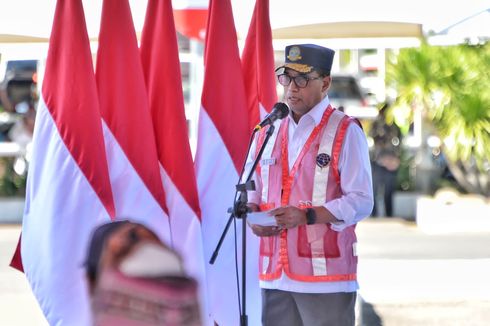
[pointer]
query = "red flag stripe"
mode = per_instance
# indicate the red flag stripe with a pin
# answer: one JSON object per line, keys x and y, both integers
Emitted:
{"x": 161, "y": 65}
{"x": 122, "y": 93}
{"x": 16, "y": 261}
{"x": 258, "y": 63}
{"x": 68, "y": 106}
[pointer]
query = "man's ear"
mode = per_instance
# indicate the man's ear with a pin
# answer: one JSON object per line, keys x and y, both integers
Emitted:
{"x": 327, "y": 80}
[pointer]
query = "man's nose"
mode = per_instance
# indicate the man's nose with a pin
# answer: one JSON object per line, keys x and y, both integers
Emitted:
{"x": 293, "y": 86}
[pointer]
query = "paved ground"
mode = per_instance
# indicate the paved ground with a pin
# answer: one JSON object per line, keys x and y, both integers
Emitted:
{"x": 410, "y": 278}
{"x": 406, "y": 278}
{"x": 17, "y": 304}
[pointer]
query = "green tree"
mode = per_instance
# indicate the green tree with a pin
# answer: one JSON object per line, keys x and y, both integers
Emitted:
{"x": 451, "y": 85}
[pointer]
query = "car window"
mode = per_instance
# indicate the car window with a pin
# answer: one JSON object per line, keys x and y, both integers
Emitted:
{"x": 21, "y": 68}
{"x": 344, "y": 88}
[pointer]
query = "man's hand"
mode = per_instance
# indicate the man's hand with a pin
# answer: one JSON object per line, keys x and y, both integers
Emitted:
{"x": 253, "y": 207}
{"x": 259, "y": 230}
{"x": 265, "y": 231}
{"x": 288, "y": 217}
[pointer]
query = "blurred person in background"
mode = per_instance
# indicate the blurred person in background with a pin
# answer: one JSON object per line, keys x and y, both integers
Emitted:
{"x": 385, "y": 161}
{"x": 136, "y": 280}
{"x": 22, "y": 130}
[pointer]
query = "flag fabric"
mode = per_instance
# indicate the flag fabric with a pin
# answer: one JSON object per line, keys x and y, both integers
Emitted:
{"x": 223, "y": 136}
{"x": 16, "y": 261}
{"x": 161, "y": 65}
{"x": 128, "y": 130}
{"x": 258, "y": 64}
{"x": 68, "y": 190}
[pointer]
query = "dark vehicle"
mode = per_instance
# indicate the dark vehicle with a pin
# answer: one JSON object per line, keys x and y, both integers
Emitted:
{"x": 18, "y": 84}
{"x": 346, "y": 94}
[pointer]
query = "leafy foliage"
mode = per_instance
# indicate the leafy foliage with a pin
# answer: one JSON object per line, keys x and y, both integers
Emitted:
{"x": 452, "y": 86}
{"x": 11, "y": 184}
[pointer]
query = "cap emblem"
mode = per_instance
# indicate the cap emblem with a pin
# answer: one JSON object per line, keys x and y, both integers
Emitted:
{"x": 294, "y": 53}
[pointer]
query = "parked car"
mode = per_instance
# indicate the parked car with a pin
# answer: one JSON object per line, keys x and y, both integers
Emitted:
{"x": 17, "y": 84}
{"x": 346, "y": 94}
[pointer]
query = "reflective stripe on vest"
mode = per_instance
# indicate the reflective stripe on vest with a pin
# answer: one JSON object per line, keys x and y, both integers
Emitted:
{"x": 266, "y": 157}
{"x": 319, "y": 197}
{"x": 263, "y": 170}
{"x": 321, "y": 173}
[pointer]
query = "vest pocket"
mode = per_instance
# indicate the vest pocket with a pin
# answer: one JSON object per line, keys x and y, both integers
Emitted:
{"x": 330, "y": 243}
{"x": 309, "y": 234}
{"x": 267, "y": 246}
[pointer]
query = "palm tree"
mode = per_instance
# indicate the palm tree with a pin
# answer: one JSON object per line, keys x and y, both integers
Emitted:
{"x": 451, "y": 85}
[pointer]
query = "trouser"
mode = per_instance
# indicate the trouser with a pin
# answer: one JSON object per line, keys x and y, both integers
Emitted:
{"x": 309, "y": 309}
{"x": 384, "y": 184}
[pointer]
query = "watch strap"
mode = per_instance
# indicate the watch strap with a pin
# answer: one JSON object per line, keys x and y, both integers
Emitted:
{"x": 310, "y": 216}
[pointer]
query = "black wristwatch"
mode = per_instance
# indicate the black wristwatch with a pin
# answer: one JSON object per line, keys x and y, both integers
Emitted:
{"x": 310, "y": 216}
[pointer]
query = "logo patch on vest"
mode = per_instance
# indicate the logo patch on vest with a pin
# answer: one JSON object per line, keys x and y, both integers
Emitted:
{"x": 322, "y": 160}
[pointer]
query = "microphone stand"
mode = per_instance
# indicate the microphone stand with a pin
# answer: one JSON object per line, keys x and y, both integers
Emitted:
{"x": 240, "y": 210}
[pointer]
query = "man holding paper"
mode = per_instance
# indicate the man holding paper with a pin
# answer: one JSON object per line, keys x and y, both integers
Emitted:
{"x": 314, "y": 180}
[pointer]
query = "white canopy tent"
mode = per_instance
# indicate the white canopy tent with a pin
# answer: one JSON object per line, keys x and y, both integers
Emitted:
{"x": 34, "y": 17}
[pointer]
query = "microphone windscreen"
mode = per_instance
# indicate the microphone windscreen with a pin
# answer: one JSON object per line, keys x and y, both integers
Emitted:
{"x": 282, "y": 109}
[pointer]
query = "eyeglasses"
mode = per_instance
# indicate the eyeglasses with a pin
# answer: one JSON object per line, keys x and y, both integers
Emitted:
{"x": 301, "y": 80}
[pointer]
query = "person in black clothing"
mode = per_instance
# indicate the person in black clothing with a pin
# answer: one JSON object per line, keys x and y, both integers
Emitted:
{"x": 385, "y": 160}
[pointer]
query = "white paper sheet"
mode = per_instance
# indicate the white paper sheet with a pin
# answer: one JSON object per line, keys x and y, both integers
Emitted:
{"x": 261, "y": 218}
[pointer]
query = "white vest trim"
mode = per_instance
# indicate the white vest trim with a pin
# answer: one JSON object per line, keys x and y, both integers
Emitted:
{"x": 320, "y": 184}
{"x": 326, "y": 144}
{"x": 264, "y": 168}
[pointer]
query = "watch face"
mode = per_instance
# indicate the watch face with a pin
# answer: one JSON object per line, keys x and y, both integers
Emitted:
{"x": 310, "y": 216}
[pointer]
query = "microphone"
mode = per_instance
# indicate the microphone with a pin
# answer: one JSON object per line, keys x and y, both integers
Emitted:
{"x": 279, "y": 111}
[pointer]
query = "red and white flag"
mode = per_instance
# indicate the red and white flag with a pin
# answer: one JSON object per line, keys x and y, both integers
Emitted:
{"x": 161, "y": 65}
{"x": 258, "y": 64}
{"x": 128, "y": 130}
{"x": 68, "y": 189}
{"x": 221, "y": 150}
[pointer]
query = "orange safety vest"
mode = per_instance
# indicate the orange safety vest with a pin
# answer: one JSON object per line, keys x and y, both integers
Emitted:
{"x": 309, "y": 253}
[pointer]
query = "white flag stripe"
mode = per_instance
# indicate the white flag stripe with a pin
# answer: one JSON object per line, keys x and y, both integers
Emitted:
{"x": 186, "y": 224}
{"x": 60, "y": 206}
{"x": 263, "y": 111}
{"x": 186, "y": 230}
{"x": 132, "y": 198}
